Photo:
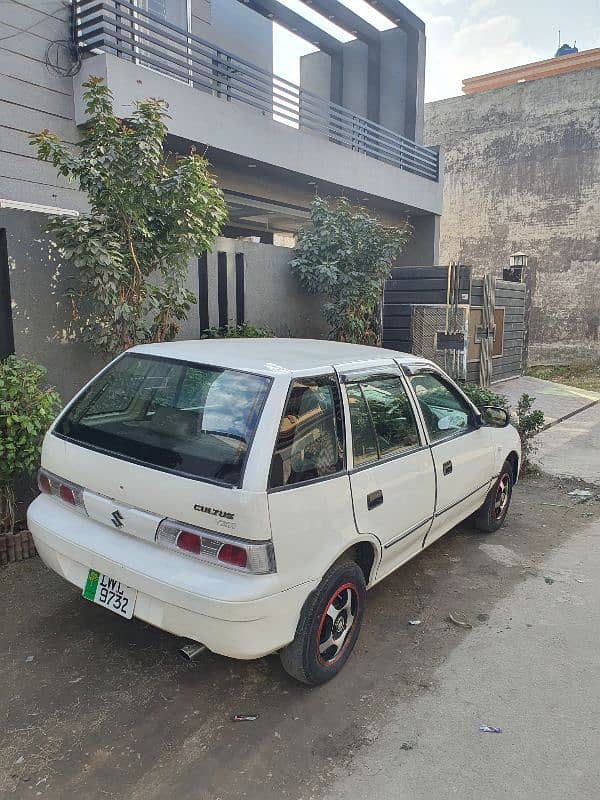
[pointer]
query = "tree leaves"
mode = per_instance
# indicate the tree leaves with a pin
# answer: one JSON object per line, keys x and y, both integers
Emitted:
{"x": 346, "y": 255}
{"x": 149, "y": 212}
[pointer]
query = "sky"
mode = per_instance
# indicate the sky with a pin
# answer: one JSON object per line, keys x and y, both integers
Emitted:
{"x": 465, "y": 37}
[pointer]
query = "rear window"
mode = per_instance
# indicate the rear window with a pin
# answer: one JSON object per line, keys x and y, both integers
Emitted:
{"x": 192, "y": 419}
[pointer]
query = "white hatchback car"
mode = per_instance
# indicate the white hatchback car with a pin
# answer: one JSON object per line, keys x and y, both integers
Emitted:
{"x": 245, "y": 493}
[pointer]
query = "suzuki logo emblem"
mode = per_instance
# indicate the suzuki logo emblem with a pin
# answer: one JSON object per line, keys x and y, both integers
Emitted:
{"x": 117, "y": 518}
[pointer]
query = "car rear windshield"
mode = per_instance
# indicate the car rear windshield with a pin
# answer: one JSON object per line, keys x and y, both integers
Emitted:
{"x": 192, "y": 419}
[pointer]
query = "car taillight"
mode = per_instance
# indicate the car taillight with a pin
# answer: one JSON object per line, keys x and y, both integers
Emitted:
{"x": 44, "y": 484}
{"x": 232, "y": 554}
{"x": 225, "y": 551}
{"x": 66, "y": 491}
{"x": 67, "y": 494}
{"x": 190, "y": 542}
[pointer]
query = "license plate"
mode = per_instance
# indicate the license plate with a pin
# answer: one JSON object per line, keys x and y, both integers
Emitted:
{"x": 110, "y": 593}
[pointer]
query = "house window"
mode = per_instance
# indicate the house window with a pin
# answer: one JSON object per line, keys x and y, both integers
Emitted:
{"x": 173, "y": 11}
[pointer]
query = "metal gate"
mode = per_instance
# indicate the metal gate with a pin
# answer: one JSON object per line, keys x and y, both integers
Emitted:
{"x": 440, "y": 313}
{"x": 507, "y": 343}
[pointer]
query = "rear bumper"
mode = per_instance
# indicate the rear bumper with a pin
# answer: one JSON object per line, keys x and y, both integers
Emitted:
{"x": 236, "y": 615}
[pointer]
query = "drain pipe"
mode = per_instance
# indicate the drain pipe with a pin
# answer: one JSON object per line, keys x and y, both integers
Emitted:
{"x": 192, "y": 650}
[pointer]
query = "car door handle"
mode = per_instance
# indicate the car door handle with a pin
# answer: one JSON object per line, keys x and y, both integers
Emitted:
{"x": 447, "y": 467}
{"x": 374, "y": 499}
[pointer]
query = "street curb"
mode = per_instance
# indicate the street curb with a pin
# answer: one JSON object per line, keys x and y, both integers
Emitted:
{"x": 571, "y": 414}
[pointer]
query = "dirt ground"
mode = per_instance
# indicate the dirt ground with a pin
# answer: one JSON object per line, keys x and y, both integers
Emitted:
{"x": 106, "y": 708}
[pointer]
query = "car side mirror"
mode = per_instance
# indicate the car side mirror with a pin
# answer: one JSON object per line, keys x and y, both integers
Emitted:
{"x": 496, "y": 416}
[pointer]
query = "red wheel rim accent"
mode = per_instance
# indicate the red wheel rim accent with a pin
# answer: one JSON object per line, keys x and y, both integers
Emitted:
{"x": 347, "y": 631}
{"x": 502, "y": 496}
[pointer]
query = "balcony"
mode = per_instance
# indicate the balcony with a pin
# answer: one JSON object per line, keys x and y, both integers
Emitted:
{"x": 213, "y": 93}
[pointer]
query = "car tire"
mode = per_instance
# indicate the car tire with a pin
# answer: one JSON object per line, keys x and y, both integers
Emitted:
{"x": 492, "y": 514}
{"x": 324, "y": 639}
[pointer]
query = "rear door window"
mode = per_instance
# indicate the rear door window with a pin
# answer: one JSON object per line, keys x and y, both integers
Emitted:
{"x": 192, "y": 419}
{"x": 310, "y": 442}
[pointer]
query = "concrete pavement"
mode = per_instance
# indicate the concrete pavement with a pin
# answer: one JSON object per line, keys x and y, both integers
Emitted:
{"x": 572, "y": 448}
{"x": 533, "y": 671}
{"x": 556, "y": 400}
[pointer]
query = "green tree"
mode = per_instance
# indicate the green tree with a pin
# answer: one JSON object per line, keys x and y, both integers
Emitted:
{"x": 346, "y": 254}
{"x": 27, "y": 407}
{"x": 149, "y": 212}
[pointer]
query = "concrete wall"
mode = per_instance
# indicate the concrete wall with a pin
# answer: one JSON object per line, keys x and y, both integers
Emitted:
{"x": 315, "y": 73}
{"x": 419, "y": 89}
{"x": 522, "y": 173}
{"x": 398, "y": 82}
{"x": 31, "y": 99}
{"x": 392, "y": 105}
{"x": 274, "y": 298}
{"x": 423, "y": 248}
{"x": 236, "y": 28}
{"x": 42, "y": 309}
{"x": 355, "y": 59}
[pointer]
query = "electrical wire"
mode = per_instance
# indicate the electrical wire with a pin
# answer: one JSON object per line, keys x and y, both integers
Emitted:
{"x": 67, "y": 67}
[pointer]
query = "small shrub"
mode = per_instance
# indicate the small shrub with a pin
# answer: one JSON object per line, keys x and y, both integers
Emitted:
{"x": 529, "y": 423}
{"x": 243, "y": 331}
{"x": 484, "y": 396}
{"x": 27, "y": 407}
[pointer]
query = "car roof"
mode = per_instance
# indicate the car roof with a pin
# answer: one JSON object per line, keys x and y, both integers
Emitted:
{"x": 272, "y": 356}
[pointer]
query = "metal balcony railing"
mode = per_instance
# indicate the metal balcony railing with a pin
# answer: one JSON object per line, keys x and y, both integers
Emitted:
{"x": 131, "y": 33}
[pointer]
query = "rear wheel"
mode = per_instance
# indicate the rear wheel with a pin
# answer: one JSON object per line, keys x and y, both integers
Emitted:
{"x": 492, "y": 513}
{"x": 328, "y": 627}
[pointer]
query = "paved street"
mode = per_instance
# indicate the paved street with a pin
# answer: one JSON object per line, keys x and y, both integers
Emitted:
{"x": 573, "y": 447}
{"x": 106, "y": 708}
{"x": 532, "y": 670}
{"x": 556, "y": 400}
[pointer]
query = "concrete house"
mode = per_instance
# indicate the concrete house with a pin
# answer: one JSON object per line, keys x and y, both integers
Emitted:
{"x": 353, "y": 127}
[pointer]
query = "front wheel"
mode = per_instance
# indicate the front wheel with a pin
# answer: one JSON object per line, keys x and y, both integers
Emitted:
{"x": 328, "y": 627}
{"x": 492, "y": 513}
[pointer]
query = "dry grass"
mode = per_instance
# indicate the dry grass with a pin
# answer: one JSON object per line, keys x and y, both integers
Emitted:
{"x": 583, "y": 376}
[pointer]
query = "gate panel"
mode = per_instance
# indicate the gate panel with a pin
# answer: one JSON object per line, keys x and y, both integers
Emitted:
{"x": 509, "y": 303}
{"x": 408, "y": 286}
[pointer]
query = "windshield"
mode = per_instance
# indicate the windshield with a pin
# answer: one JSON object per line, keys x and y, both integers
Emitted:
{"x": 192, "y": 419}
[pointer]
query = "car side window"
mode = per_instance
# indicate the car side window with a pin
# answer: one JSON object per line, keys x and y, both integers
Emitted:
{"x": 310, "y": 442}
{"x": 382, "y": 419}
{"x": 445, "y": 412}
{"x": 364, "y": 440}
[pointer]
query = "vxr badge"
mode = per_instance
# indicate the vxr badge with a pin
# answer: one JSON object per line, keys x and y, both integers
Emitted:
{"x": 117, "y": 518}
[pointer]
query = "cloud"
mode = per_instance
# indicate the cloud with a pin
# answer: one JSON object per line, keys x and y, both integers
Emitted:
{"x": 457, "y": 50}
{"x": 478, "y": 6}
